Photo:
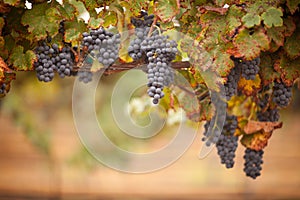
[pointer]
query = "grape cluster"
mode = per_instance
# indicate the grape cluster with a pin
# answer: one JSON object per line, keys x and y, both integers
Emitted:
{"x": 51, "y": 59}
{"x": 142, "y": 28}
{"x": 228, "y": 142}
{"x": 84, "y": 74}
{"x": 253, "y": 160}
{"x": 232, "y": 82}
{"x": 64, "y": 62}
{"x": 160, "y": 52}
{"x": 61, "y": 28}
{"x": 104, "y": 45}
{"x": 250, "y": 68}
{"x": 45, "y": 65}
{"x": 282, "y": 94}
{"x": 2, "y": 88}
{"x": 267, "y": 114}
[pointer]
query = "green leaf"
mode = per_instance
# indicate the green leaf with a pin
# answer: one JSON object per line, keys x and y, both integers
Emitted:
{"x": 289, "y": 69}
{"x": 276, "y": 34}
{"x": 110, "y": 19}
{"x": 292, "y": 44}
{"x": 267, "y": 72}
{"x": 95, "y": 22}
{"x": 166, "y": 9}
{"x": 272, "y": 17}
{"x": 293, "y": 5}
{"x": 12, "y": 2}
{"x": 233, "y": 19}
{"x": 67, "y": 10}
{"x": 134, "y": 6}
{"x": 249, "y": 45}
{"x": 42, "y": 19}
{"x": 73, "y": 30}
{"x": 250, "y": 20}
{"x": 22, "y": 61}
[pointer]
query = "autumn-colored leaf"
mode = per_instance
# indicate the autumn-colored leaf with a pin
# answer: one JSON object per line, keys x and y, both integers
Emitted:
{"x": 249, "y": 44}
{"x": 256, "y": 141}
{"x": 166, "y": 9}
{"x": 22, "y": 61}
{"x": 289, "y": 69}
{"x": 293, "y": 5}
{"x": 249, "y": 87}
{"x": 256, "y": 126}
{"x": 292, "y": 44}
{"x": 267, "y": 71}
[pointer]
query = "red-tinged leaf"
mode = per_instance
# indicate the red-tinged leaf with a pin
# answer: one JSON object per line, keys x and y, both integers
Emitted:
{"x": 166, "y": 9}
{"x": 267, "y": 72}
{"x": 249, "y": 44}
{"x": 256, "y": 126}
{"x": 256, "y": 141}
{"x": 42, "y": 20}
{"x": 22, "y": 61}
{"x": 293, "y": 5}
{"x": 292, "y": 44}
{"x": 288, "y": 69}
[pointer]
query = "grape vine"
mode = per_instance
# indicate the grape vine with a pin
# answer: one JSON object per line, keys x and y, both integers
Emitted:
{"x": 252, "y": 50}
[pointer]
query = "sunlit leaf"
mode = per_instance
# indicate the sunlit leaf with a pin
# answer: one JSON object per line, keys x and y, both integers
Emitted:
{"x": 22, "y": 61}
{"x": 272, "y": 17}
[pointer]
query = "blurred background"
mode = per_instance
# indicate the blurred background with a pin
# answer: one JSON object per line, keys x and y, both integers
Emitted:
{"x": 41, "y": 156}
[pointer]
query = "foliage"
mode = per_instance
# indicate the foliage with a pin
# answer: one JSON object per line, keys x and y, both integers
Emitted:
{"x": 216, "y": 33}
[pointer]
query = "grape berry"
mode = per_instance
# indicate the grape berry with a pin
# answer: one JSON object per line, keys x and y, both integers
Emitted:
{"x": 282, "y": 94}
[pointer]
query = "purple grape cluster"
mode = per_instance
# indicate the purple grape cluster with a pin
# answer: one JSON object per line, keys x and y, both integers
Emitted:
{"x": 2, "y": 88}
{"x": 142, "y": 28}
{"x": 228, "y": 142}
{"x": 51, "y": 59}
{"x": 253, "y": 161}
{"x": 282, "y": 94}
{"x": 45, "y": 65}
{"x": 103, "y": 44}
{"x": 250, "y": 68}
{"x": 160, "y": 52}
{"x": 232, "y": 82}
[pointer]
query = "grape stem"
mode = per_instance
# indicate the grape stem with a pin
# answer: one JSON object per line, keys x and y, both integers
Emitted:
{"x": 153, "y": 25}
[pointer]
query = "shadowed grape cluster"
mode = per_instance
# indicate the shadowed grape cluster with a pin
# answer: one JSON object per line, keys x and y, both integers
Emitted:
{"x": 282, "y": 94}
{"x": 253, "y": 161}
{"x": 250, "y": 68}
{"x": 2, "y": 88}
{"x": 232, "y": 82}
{"x": 267, "y": 114}
{"x": 228, "y": 142}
